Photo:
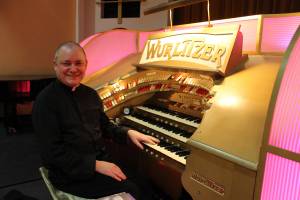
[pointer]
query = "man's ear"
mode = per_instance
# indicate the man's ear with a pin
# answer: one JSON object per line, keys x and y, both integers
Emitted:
{"x": 54, "y": 65}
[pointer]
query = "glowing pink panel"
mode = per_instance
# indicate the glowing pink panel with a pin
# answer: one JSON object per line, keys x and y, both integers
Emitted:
{"x": 143, "y": 39}
{"x": 87, "y": 40}
{"x": 278, "y": 32}
{"x": 281, "y": 179}
{"x": 108, "y": 48}
{"x": 285, "y": 128}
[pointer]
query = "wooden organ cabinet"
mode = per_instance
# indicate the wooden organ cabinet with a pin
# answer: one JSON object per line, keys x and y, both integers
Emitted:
{"x": 207, "y": 103}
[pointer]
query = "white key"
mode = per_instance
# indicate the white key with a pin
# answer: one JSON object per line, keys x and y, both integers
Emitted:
{"x": 158, "y": 129}
{"x": 169, "y": 116}
{"x": 167, "y": 153}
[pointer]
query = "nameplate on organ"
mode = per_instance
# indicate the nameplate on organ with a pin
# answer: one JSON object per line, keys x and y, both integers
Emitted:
{"x": 214, "y": 49}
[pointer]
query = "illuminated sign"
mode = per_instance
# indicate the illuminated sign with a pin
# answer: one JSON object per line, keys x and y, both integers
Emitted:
{"x": 207, "y": 49}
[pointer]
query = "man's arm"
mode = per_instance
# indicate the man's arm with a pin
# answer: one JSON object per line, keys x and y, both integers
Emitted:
{"x": 109, "y": 169}
{"x": 119, "y": 133}
{"x": 139, "y": 138}
{"x": 110, "y": 130}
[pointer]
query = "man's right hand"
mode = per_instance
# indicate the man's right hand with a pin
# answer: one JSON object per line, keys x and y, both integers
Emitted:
{"x": 110, "y": 169}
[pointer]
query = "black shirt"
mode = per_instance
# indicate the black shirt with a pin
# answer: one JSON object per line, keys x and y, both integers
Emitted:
{"x": 70, "y": 126}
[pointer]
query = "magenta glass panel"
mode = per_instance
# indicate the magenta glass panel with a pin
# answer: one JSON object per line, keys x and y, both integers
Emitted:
{"x": 281, "y": 179}
{"x": 285, "y": 128}
{"x": 22, "y": 87}
{"x": 278, "y": 32}
{"x": 108, "y": 48}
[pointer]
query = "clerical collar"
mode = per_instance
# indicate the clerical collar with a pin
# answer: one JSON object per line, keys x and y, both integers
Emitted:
{"x": 65, "y": 87}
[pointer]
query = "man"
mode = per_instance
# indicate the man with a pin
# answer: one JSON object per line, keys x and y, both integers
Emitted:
{"x": 70, "y": 123}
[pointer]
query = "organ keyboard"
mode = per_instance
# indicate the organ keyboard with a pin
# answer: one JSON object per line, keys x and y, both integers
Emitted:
{"x": 170, "y": 128}
{"x": 158, "y": 128}
{"x": 167, "y": 149}
{"x": 176, "y": 117}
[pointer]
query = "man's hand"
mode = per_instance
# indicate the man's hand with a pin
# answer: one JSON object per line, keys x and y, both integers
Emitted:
{"x": 110, "y": 169}
{"x": 138, "y": 138}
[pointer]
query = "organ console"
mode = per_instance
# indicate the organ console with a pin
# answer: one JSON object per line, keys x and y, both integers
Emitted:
{"x": 165, "y": 104}
{"x": 207, "y": 103}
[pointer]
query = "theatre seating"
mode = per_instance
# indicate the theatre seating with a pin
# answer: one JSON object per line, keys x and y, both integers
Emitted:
{"x": 60, "y": 195}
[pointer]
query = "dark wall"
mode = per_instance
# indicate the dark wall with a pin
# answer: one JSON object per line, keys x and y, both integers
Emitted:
{"x": 223, "y": 9}
{"x": 12, "y": 90}
{"x": 16, "y": 101}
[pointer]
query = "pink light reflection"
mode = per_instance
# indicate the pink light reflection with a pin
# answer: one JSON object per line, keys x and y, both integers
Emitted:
{"x": 143, "y": 37}
{"x": 109, "y": 47}
{"x": 88, "y": 39}
{"x": 285, "y": 128}
{"x": 278, "y": 32}
{"x": 281, "y": 179}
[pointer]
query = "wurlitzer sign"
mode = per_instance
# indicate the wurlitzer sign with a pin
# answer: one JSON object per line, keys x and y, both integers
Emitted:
{"x": 209, "y": 49}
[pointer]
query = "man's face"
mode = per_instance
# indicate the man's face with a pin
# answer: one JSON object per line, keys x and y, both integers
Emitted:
{"x": 70, "y": 66}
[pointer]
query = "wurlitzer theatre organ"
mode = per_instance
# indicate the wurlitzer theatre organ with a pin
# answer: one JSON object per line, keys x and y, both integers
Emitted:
{"x": 207, "y": 102}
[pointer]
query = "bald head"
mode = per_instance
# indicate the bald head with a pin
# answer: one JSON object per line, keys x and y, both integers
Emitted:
{"x": 67, "y": 46}
{"x": 70, "y": 64}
